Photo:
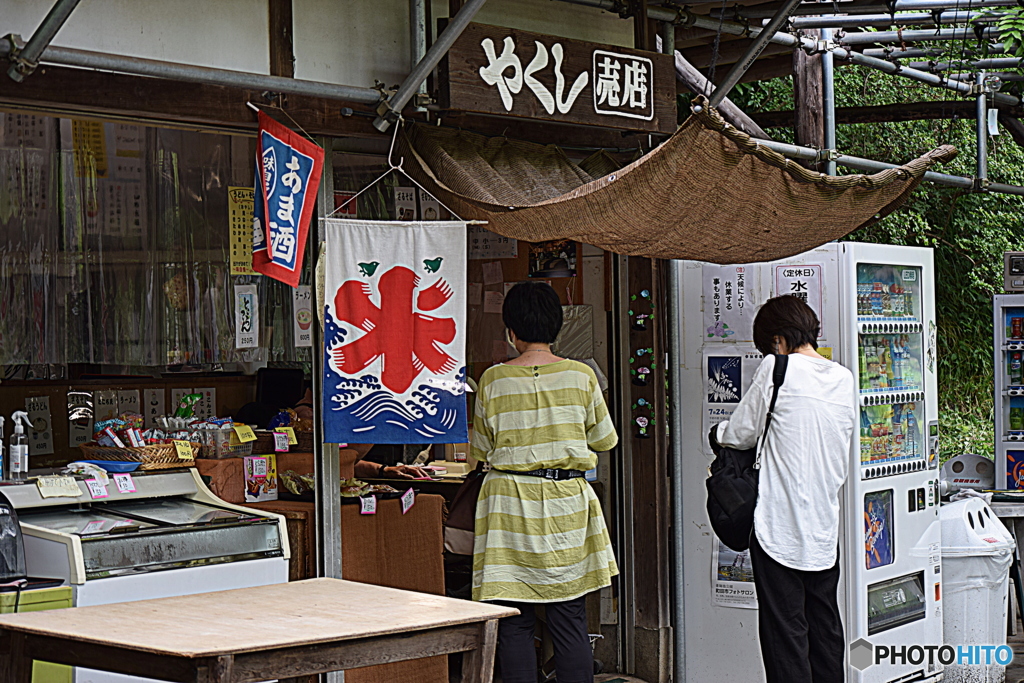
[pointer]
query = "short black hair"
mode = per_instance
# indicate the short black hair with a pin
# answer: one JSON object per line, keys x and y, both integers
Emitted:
{"x": 788, "y": 317}
{"x": 533, "y": 312}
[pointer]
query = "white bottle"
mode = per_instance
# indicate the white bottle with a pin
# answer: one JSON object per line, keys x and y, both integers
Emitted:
{"x": 18, "y": 452}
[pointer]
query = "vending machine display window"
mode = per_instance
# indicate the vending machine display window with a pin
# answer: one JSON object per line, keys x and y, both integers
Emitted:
{"x": 890, "y": 433}
{"x": 878, "y": 529}
{"x": 887, "y": 292}
{"x": 1008, "y": 381}
{"x": 896, "y": 602}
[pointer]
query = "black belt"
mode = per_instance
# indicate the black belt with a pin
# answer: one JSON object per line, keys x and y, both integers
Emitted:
{"x": 556, "y": 475}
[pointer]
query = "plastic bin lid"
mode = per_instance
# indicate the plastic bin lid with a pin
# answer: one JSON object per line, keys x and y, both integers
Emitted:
{"x": 969, "y": 527}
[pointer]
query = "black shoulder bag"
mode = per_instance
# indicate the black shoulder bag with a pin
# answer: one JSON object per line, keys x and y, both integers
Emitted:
{"x": 732, "y": 486}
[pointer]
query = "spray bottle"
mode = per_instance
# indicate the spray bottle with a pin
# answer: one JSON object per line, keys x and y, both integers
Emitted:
{"x": 17, "y": 454}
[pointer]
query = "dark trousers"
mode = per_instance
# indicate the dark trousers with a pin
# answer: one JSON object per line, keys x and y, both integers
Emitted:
{"x": 799, "y": 627}
{"x": 567, "y": 624}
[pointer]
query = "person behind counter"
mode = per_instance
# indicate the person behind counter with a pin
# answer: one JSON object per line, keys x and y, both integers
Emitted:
{"x": 368, "y": 469}
{"x": 540, "y": 535}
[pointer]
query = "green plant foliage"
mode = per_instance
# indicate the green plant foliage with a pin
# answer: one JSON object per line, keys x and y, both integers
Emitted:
{"x": 968, "y": 231}
{"x": 1010, "y": 26}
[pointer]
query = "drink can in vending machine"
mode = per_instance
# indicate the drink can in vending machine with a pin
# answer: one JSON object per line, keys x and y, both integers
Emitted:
{"x": 1017, "y": 328}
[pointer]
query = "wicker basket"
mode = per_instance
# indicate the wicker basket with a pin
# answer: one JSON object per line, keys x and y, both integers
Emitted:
{"x": 161, "y": 456}
{"x": 264, "y": 442}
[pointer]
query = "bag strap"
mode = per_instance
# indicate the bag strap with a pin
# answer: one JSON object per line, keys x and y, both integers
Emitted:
{"x": 778, "y": 377}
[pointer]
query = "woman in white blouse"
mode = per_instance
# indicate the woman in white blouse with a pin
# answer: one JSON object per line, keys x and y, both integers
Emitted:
{"x": 804, "y": 462}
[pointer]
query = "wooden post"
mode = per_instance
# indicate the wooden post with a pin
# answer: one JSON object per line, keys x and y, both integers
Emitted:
{"x": 808, "y": 103}
{"x": 282, "y": 50}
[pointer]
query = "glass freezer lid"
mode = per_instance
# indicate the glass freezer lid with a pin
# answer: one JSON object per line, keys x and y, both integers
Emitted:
{"x": 182, "y": 512}
{"x": 83, "y": 521}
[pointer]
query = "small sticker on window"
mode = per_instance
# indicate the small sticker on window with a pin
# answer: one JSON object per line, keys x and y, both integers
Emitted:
{"x": 910, "y": 275}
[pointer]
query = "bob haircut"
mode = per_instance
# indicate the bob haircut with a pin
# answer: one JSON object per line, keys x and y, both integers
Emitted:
{"x": 533, "y": 312}
{"x": 788, "y": 317}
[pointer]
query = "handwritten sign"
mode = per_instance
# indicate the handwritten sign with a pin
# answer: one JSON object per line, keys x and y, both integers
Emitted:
{"x": 244, "y": 433}
{"x": 58, "y": 487}
{"x": 124, "y": 482}
{"x": 368, "y": 505}
{"x": 184, "y": 450}
{"x": 408, "y": 500}
{"x": 290, "y": 431}
{"x": 97, "y": 489}
{"x": 280, "y": 442}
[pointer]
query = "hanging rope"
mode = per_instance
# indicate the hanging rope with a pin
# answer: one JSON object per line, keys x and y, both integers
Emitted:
{"x": 709, "y": 86}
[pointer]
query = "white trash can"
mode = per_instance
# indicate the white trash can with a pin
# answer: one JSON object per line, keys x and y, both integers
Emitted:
{"x": 976, "y": 554}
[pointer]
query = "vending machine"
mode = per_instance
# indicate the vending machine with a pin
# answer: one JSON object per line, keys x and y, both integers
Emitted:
{"x": 876, "y": 306}
{"x": 1008, "y": 367}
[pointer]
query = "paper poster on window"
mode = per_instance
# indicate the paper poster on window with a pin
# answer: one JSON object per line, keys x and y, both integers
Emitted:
{"x": 40, "y": 436}
{"x": 731, "y": 298}
{"x": 240, "y": 207}
{"x": 484, "y": 244}
{"x": 405, "y": 203}
{"x": 247, "y": 317}
{"x": 732, "y": 577}
{"x": 878, "y": 545}
{"x": 802, "y": 281}
{"x": 394, "y": 332}
{"x": 728, "y": 371}
{"x": 302, "y": 316}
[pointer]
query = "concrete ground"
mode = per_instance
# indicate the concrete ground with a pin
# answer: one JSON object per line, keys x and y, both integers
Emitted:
{"x": 1015, "y": 672}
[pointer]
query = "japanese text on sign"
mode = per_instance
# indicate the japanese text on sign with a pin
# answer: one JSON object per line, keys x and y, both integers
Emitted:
{"x": 801, "y": 281}
{"x": 622, "y": 83}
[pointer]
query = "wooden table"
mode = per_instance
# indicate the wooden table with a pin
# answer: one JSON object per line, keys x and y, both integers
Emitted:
{"x": 255, "y": 634}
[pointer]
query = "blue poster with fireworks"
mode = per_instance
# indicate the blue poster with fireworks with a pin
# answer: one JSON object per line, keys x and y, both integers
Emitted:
{"x": 878, "y": 529}
{"x": 394, "y": 332}
{"x": 724, "y": 379}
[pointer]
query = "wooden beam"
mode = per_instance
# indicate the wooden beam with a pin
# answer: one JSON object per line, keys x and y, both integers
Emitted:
{"x": 282, "y": 50}
{"x": 808, "y": 102}
{"x": 697, "y": 83}
{"x": 643, "y": 37}
{"x": 915, "y": 111}
{"x": 1014, "y": 127}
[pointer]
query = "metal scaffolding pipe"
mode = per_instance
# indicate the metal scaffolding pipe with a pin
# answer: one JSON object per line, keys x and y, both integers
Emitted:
{"x": 828, "y": 94}
{"x": 849, "y": 8}
{"x": 200, "y": 74}
{"x": 418, "y": 39}
{"x": 910, "y": 19}
{"x": 1007, "y": 76}
{"x": 390, "y": 109}
{"x": 998, "y": 63}
{"x": 910, "y": 53}
{"x": 753, "y": 51}
{"x": 981, "y": 131}
{"x": 26, "y": 59}
{"x": 871, "y": 37}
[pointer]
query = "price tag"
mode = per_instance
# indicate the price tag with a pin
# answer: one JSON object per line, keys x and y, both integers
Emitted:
{"x": 244, "y": 433}
{"x": 290, "y": 431}
{"x": 368, "y": 505}
{"x": 93, "y": 527}
{"x": 259, "y": 467}
{"x": 58, "y": 487}
{"x": 96, "y": 489}
{"x": 184, "y": 450}
{"x": 281, "y": 442}
{"x": 124, "y": 482}
{"x": 408, "y": 500}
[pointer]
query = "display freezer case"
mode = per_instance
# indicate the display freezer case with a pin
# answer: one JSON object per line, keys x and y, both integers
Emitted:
{"x": 169, "y": 537}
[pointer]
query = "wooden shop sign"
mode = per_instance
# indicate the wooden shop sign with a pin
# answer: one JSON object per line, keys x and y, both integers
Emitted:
{"x": 504, "y": 71}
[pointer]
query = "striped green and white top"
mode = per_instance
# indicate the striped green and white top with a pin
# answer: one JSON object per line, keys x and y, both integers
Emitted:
{"x": 539, "y": 540}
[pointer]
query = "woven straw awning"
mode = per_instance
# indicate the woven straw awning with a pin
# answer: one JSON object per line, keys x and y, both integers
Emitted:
{"x": 709, "y": 193}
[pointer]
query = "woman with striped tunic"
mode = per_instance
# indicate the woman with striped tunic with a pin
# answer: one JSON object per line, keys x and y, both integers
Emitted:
{"x": 540, "y": 535}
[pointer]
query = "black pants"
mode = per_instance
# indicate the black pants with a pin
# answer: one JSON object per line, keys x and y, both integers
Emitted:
{"x": 567, "y": 623}
{"x": 799, "y": 627}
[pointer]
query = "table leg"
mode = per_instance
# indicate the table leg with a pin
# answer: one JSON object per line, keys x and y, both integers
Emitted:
{"x": 216, "y": 670}
{"x": 478, "y": 664}
{"x": 15, "y": 664}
